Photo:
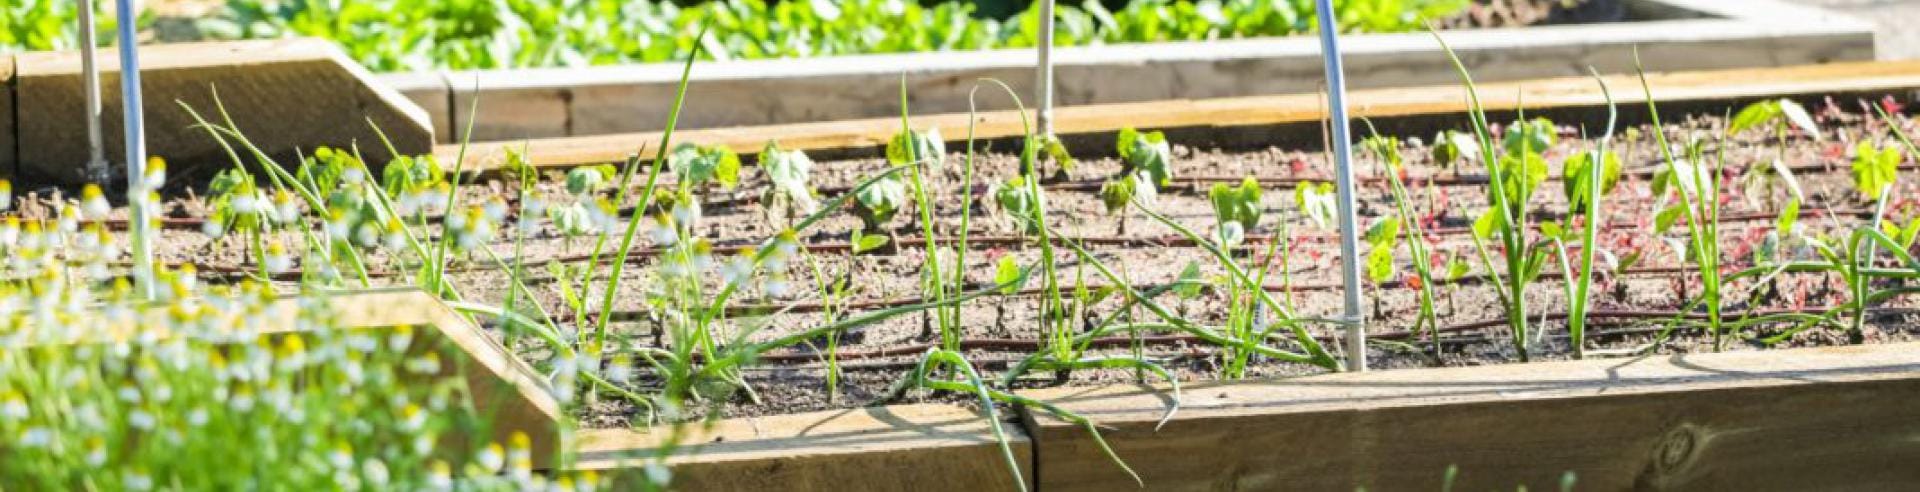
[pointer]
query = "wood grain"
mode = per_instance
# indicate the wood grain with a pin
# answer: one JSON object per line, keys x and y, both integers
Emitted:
{"x": 899, "y": 447}
{"x": 1253, "y": 113}
{"x": 1803, "y": 419}
{"x": 504, "y": 388}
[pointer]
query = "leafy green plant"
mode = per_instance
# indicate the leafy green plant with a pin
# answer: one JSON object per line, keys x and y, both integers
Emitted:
{"x": 1236, "y": 208}
{"x": 1875, "y": 169}
{"x": 1515, "y": 171}
{"x": 1381, "y": 239}
{"x": 1696, "y": 197}
{"x": 1452, "y": 147}
{"x": 1147, "y": 153}
{"x": 790, "y": 172}
{"x": 391, "y": 35}
{"x": 1019, "y": 203}
{"x": 696, "y": 165}
{"x": 1589, "y": 176}
{"x": 1117, "y": 193}
{"x": 877, "y": 204}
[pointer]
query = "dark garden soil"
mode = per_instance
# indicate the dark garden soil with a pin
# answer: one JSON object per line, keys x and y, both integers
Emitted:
{"x": 1630, "y": 305}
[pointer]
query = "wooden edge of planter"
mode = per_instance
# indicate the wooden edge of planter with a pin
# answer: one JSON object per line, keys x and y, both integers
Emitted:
{"x": 504, "y": 389}
{"x": 1793, "y": 419}
{"x": 899, "y": 447}
{"x": 9, "y": 136}
{"x": 1242, "y": 113}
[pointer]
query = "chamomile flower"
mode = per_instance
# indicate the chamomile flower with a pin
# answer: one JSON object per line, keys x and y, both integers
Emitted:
{"x": 213, "y": 228}
{"x": 440, "y": 476}
{"x": 492, "y": 459}
{"x": 738, "y": 269}
{"x": 6, "y": 194}
{"x": 156, "y": 173}
{"x": 278, "y": 260}
{"x": 10, "y": 231}
{"x": 286, "y": 210}
{"x": 14, "y": 407}
{"x": 94, "y": 202}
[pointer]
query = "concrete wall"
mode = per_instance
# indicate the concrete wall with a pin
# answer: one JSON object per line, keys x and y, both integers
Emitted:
{"x": 1694, "y": 35}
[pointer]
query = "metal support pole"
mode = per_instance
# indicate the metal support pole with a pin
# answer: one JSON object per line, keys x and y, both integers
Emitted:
{"x": 1343, "y": 166}
{"x": 136, "y": 143}
{"x": 96, "y": 167}
{"x": 1044, "y": 84}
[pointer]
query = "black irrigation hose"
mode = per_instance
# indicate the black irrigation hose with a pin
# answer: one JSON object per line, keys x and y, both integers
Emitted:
{"x": 1614, "y": 317}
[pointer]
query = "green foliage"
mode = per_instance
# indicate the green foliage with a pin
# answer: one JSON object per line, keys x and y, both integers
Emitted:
{"x": 1874, "y": 170}
{"x": 1237, "y": 204}
{"x": 790, "y": 171}
{"x": 922, "y": 146}
{"x": 1318, "y": 202}
{"x": 698, "y": 165}
{"x": 584, "y": 180}
{"x": 1146, "y": 153}
{"x": 1770, "y": 111}
{"x": 1530, "y": 137}
{"x": 1381, "y": 238}
{"x": 1116, "y": 193}
{"x": 878, "y": 202}
{"x": 1579, "y": 176}
{"x": 1451, "y": 147}
{"x": 394, "y": 35}
{"x": 1018, "y": 202}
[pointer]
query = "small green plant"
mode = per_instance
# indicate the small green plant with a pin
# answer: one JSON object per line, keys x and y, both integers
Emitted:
{"x": 877, "y": 204}
{"x": 790, "y": 172}
{"x": 1453, "y": 147}
{"x": 1147, "y": 153}
{"x": 1589, "y": 177}
{"x": 1515, "y": 171}
{"x": 696, "y": 166}
{"x": 1381, "y": 239}
{"x": 1118, "y": 193}
{"x": 1875, "y": 169}
{"x": 1237, "y": 209}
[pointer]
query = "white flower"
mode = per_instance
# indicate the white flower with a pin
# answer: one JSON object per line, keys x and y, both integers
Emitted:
{"x": 140, "y": 419}
{"x": 36, "y": 437}
{"x": 15, "y": 408}
{"x": 441, "y": 476}
{"x": 376, "y": 472}
{"x": 493, "y": 458}
{"x": 244, "y": 204}
{"x": 137, "y": 480}
{"x": 213, "y": 229}
{"x": 776, "y": 288}
{"x": 686, "y": 212}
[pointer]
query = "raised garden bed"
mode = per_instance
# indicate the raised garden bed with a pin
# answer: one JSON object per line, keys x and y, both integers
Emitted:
{"x": 1111, "y": 298}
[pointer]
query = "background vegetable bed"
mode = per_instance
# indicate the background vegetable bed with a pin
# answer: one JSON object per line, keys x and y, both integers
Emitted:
{"x": 397, "y": 35}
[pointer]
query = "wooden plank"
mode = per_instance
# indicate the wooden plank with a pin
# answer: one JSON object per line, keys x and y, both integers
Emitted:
{"x": 9, "y": 145}
{"x": 518, "y": 401}
{"x": 285, "y": 94}
{"x": 1801, "y": 419}
{"x": 1237, "y": 112}
{"x": 900, "y": 447}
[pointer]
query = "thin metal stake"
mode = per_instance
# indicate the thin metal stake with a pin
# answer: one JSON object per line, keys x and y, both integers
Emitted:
{"x": 96, "y": 167}
{"x": 1343, "y": 165}
{"x": 136, "y": 143}
{"x": 1045, "y": 83}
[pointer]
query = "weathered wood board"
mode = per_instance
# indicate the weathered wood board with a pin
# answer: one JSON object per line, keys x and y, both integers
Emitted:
{"x": 1294, "y": 117}
{"x": 1803, "y": 419}
{"x": 901, "y": 447}
{"x": 286, "y": 95}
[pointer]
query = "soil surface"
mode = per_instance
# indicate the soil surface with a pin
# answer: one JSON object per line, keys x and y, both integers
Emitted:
{"x": 1632, "y": 303}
